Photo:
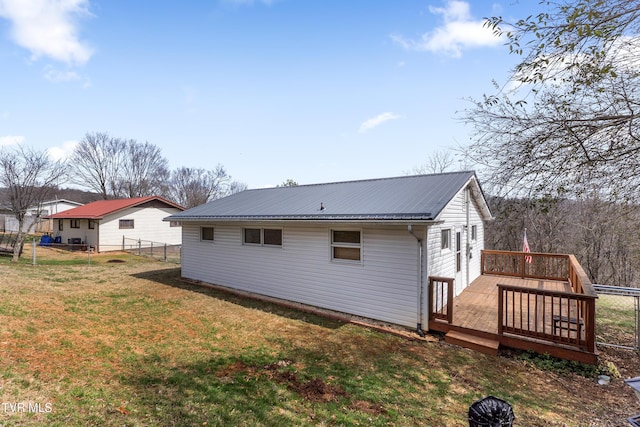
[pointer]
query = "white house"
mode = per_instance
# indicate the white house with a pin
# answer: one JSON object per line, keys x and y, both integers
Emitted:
{"x": 361, "y": 247}
{"x": 46, "y": 208}
{"x": 105, "y": 224}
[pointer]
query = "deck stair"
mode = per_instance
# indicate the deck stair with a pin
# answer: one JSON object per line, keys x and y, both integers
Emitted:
{"x": 479, "y": 344}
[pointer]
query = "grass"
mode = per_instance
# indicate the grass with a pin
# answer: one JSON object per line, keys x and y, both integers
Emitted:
{"x": 128, "y": 343}
{"x": 616, "y": 319}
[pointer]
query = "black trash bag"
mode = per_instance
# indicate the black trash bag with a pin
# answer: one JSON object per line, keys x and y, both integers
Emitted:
{"x": 490, "y": 412}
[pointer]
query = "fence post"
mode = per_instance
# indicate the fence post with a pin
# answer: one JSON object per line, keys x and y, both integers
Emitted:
{"x": 165, "y": 252}
{"x": 33, "y": 243}
{"x": 637, "y": 311}
{"x": 89, "y": 254}
{"x": 123, "y": 243}
{"x": 139, "y": 247}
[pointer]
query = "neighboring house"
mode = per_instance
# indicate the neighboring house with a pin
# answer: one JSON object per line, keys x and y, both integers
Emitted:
{"x": 361, "y": 247}
{"x": 104, "y": 224}
{"x": 42, "y": 226}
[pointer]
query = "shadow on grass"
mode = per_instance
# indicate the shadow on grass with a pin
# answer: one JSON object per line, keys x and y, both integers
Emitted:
{"x": 171, "y": 277}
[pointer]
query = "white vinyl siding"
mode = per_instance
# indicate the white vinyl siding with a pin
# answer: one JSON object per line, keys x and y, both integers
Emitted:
{"x": 149, "y": 225}
{"x": 443, "y": 262}
{"x": 384, "y": 287}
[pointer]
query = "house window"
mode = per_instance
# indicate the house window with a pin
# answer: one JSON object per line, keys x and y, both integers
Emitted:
{"x": 92, "y": 224}
{"x": 175, "y": 224}
{"x": 60, "y": 224}
{"x": 206, "y": 233}
{"x": 75, "y": 223}
{"x": 346, "y": 244}
{"x": 126, "y": 224}
{"x": 474, "y": 232}
{"x": 252, "y": 236}
{"x": 262, "y": 236}
{"x": 272, "y": 236}
{"x": 445, "y": 239}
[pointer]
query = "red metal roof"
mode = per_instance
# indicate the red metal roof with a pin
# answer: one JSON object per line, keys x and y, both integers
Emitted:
{"x": 97, "y": 210}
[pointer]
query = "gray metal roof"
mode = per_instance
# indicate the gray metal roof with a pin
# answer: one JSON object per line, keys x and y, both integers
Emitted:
{"x": 418, "y": 198}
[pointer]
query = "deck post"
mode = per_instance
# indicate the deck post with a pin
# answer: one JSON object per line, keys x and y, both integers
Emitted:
{"x": 500, "y": 310}
{"x": 450, "y": 300}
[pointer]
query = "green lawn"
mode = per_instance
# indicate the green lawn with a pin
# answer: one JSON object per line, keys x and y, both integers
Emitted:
{"x": 128, "y": 343}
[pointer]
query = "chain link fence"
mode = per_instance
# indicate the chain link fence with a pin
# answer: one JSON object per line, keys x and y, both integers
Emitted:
{"x": 156, "y": 250}
{"x": 617, "y": 316}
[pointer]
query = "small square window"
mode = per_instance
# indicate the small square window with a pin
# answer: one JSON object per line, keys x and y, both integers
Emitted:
{"x": 126, "y": 224}
{"x": 75, "y": 223}
{"x": 272, "y": 237}
{"x": 206, "y": 233}
{"x": 252, "y": 236}
{"x": 92, "y": 224}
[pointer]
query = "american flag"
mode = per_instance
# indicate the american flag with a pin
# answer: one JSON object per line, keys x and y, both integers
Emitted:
{"x": 525, "y": 248}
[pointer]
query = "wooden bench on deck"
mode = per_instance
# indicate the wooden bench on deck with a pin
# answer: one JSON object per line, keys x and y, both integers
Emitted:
{"x": 567, "y": 323}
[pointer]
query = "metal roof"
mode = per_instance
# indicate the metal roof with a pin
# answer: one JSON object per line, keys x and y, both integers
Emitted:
{"x": 100, "y": 208}
{"x": 417, "y": 198}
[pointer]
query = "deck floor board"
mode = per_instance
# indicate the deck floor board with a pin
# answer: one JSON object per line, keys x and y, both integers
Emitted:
{"x": 475, "y": 307}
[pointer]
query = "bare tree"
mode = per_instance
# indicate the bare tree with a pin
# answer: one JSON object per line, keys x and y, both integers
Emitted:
{"x": 289, "y": 183}
{"x": 439, "y": 161}
{"x": 96, "y": 162}
{"x": 31, "y": 177}
{"x": 115, "y": 167}
{"x": 237, "y": 187}
{"x": 600, "y": 233}
{"x": 570, "y": 120}
{"x": 193, "y": 187}
{"x": 144, "y": 171}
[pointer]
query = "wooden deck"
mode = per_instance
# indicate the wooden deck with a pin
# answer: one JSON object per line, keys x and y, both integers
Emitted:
{"x": 532, "y": 308}
{"x": 476, "y": 307}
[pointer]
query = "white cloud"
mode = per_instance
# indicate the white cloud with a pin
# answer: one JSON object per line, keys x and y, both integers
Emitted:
{"x": 62, "y": 152}
{"x": 458, "y": 31}
{"x": 11, "y": 140}
{"x": 377, "y": 121}
{"x": 57, "y": 76}
{"x": 48, "y": 28}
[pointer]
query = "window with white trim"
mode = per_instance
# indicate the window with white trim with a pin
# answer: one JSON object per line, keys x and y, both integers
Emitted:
{"x": 346, "y": 245}
{"x": 445, "y": 239}
{"x": 126, "y": 224}
{"x": 206, "y": 233}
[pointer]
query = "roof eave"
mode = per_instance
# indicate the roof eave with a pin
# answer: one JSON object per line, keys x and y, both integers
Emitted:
{"x": 308, "y": 219}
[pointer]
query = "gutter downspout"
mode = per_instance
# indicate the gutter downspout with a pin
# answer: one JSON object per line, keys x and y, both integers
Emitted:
{"x": 419, "y": 330}
{"x": 468, "y": 234}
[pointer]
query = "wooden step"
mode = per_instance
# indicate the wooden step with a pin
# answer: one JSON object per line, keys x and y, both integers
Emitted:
{"x": 481, "y": 345}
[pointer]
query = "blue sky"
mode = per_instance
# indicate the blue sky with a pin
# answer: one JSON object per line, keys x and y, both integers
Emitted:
{"x": 311, "y": 90}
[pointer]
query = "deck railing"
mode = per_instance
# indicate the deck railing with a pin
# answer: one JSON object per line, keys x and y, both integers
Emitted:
{"x": 560, "y": 317}
{"x": 441, "y": 299}
{"x": 527, "y": 265}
